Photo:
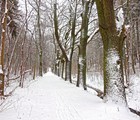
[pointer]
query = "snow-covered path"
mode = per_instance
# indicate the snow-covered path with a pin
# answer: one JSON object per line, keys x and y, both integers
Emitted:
{"x": 51, "y": 98}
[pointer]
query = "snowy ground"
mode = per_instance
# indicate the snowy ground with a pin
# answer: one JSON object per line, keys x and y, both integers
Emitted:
{"x": 51, "y": 98}
{"x": 133, "y": 92}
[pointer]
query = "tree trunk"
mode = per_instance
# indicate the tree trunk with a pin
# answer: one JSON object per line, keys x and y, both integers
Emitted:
{"x": 70, "y": 70}
{"x": 73, "y": 38}
{"x": 138, "y": 40}
{"x": 67, "y": 72}
{"x": 58, "y": 69}
{"x": 83, "y": 44}
{"x": 62, "y": 68}
{"x": 82, "y": 66}
{"x": 40, "y": 40}
{"x": 1, "y": 83}
{"x": 78, "y": 73}
{"x": 22, "y": 65}
{"x": 4, "y": 7}
{"x": 113, "y": 39}
{"x": 113, "y": 71}
{"x": 69, "y": 65}
{"x": 59, "y": 42}
{"x": 126, "y": 61}
{"x": 40, "y": 63}
{"x": 133, "y": 51}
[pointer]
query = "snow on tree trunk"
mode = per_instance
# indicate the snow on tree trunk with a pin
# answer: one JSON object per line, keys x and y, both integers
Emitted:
{"x": 1, "y": 82}
{"x": 83, "y": 44}
{"x": 120, "y": 21}
{"x": 115, "y": 91}
{"x": 113, "y": 35}
{"x": 57, "y": 36}
{"x": 82, "y": 68}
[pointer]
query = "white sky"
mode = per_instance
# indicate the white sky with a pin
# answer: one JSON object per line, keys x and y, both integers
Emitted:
{"x": 22, "y": 6}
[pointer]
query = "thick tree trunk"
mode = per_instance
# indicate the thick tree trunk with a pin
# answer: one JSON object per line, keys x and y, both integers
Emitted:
{"x": 114, "y": 89}
{"x": 113, "y": 43}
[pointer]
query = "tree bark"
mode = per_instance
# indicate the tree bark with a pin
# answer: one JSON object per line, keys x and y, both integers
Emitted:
{"x": 4, "y": 7}
{"x": 113, "y": 39}
{"x": 59, "y": 43}
{"x": 40, "y": 40}
{"x": 78, "y": 75}
{"x": 62, "y": 68}
{"x": 138, "y": 40}
{"x": 83, "y": 44}
{"x": 73, "y": 38}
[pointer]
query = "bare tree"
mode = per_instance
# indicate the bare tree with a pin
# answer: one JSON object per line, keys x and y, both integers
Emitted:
{"x": 113, "y": 39}
{"x": 82, "y": 67}
{"x": 4, "y": 7}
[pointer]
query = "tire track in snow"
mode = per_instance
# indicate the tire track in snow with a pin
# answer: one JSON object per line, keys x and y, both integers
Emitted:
{"x": 65, "y": 111}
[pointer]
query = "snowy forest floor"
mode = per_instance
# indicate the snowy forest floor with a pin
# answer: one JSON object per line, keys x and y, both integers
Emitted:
{"x": 52, "y": 98}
